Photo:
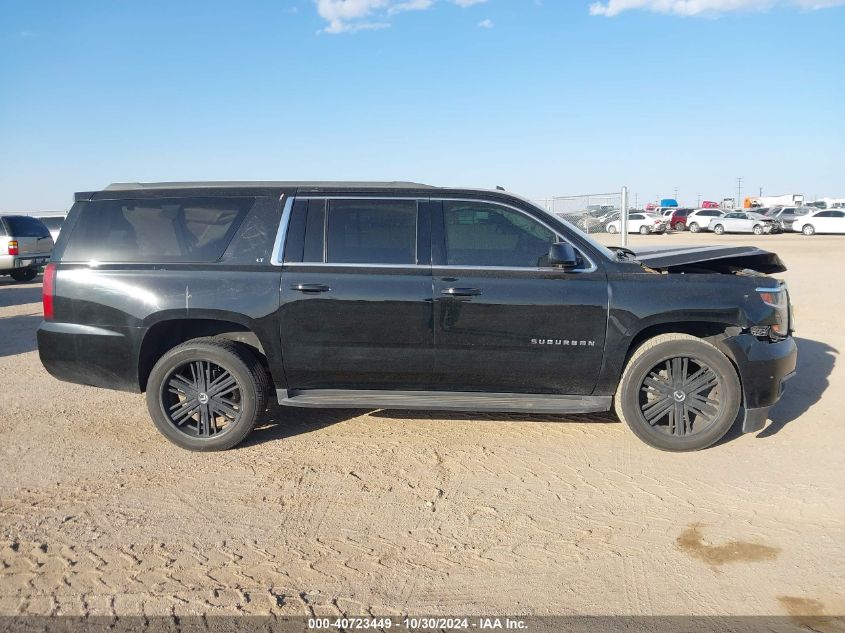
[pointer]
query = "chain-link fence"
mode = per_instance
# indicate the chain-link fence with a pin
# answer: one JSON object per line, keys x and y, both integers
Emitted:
{"x": 592, "y": 213}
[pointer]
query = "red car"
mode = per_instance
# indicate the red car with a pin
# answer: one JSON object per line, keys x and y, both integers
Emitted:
{"x": 678, "y": 219}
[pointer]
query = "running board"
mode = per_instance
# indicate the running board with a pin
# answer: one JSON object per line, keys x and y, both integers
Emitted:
{"x": 442, "y": 401}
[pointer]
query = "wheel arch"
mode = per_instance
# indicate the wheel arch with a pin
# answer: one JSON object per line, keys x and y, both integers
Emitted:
{"x": 166, "y": 334}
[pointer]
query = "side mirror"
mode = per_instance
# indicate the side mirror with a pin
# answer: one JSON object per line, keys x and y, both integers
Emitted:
{"x": 562, "y": 255}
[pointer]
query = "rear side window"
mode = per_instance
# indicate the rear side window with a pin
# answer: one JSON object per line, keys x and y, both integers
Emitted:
{"x": 25, "y": 226}
{"x": 156, "y": 229}
{"x": 371, "y": 232}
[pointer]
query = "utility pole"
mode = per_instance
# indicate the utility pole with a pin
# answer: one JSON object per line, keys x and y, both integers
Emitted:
{"x": 739, "y": 192}
{"x": 676, "y": 193}
{"x": 761, "y": 192}
{"x": 698, "y": 204}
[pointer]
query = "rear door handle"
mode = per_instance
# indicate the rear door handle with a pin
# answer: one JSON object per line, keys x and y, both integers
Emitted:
{"x": 312, "y": 288}
{"x": 461, "y": 292}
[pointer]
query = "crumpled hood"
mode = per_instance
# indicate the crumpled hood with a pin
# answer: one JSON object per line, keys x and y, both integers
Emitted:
{"x": 723, "y": 259}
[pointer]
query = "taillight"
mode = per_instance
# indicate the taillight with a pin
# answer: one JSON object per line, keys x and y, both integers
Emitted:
{"x": 48, "y": 291}
{"x": 13, "y": 247}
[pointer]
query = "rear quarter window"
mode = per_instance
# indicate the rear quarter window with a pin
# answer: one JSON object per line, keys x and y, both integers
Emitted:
{"x": 156, "y": 229}
{"x": 25, "y": 226}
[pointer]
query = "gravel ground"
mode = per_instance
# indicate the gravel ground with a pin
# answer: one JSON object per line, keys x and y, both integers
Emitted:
{"x": 352, "y": 511}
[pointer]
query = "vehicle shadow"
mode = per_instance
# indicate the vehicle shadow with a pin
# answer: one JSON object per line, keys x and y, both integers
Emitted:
{"x": 815, "y": 364}
{"x": 283, "y": 422}
{"x": 13, "y": 293}
{"x": 17, "y": 334}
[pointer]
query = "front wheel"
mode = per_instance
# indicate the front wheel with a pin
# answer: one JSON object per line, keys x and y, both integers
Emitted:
{"x": 207, "y": 393}
{"x": 611, "y": 229}
{"x": 808, "y": 229}
{"x": 24, "y": 274}
{"x": 678, "y": 393}
{"x": 719, "y": 229}
{"x": 694, "y": 228}
{"x": 757, "y": 230}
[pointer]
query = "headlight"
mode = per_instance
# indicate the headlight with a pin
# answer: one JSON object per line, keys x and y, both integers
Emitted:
{"x": 778, "y": 299}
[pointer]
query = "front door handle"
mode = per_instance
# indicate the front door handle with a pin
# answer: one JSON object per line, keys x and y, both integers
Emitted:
{"x": 311, "y": 288}
{"x": 461, "y": 292}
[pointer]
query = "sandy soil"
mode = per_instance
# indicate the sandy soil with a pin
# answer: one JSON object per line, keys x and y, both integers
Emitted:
{"x": 353, "y": 512}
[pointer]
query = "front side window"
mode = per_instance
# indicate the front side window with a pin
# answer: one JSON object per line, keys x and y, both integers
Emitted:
{"x": 371, "y": 232}
{"x": 156, "y": 229}
{"x": 485, "y": 234}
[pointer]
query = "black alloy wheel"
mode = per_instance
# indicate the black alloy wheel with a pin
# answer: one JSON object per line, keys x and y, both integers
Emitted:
{"x": 207, "y": 394}
{"x": 201, "y": 399}
{"x": 678, "y": 393}
{"x": 680, "y": 397}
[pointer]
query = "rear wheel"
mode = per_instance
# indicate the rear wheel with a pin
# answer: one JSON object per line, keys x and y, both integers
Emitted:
{"x": 808, "y": 229}
{"x": 678, "y": 393}
{"x": 24, "y": 274}
{"x": 644, "y": 230}
{"x": 719, "y": 229}
{"x": 611, "y": 229}
{"x": 207, "y": 393}
{"x": 694, "y": 228}
{"x": 680, "y": 226}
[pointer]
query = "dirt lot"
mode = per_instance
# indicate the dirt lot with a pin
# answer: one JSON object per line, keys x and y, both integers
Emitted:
{"x": 351, "y": 511}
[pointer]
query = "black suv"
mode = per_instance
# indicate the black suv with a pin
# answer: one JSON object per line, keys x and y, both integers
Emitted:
{"x": 214, "y": 297}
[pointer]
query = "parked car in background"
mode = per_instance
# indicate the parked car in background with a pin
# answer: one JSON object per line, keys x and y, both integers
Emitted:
{"x": 25, "y": 245}
{"x": 643, "y": 223}
{"x": 678, "y": 220}
{"x": 786, "y": 216}
{"x": 699, "y": 220}
{"x": 821, "y": 221}
{"x": 742, "y": 222}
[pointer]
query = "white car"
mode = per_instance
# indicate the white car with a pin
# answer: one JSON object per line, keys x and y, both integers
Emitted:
{"x": 642, "y": 223}
{"x": 742, "y": 222}
{"x": 821, "y": 221}
{"x": 699, "y": 220}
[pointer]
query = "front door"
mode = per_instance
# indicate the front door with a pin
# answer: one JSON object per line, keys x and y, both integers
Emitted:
{"x": 505, "y": 321}
{"x": 356, "y": 310}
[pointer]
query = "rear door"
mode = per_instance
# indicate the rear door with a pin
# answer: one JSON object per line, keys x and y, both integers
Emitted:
{"x": 356, "y": 310}
{"x": 506, "y": 322}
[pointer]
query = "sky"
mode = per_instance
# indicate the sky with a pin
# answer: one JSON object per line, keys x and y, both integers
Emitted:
{"x": 543, "y": 97}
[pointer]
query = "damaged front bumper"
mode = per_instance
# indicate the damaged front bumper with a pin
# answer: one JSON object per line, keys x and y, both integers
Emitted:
{"x": 763, "y": 368}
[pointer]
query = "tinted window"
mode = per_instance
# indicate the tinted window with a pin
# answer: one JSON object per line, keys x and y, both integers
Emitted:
{"x": 483, "y": 234}
{"x": 54, "y": 224}
{"x": 25, "y": 226}
{"x": 837, "y": 214}
{"x": 681, "y": 213}
{"x": 371, "y": 232}
{"x": 636, "y": 216}
{"x": 156, "y": 229}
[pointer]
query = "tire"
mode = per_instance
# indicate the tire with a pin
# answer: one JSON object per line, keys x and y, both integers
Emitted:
{"x": 680, "y": 227}
{"x": 198, "y": 428}
{"x": 808, "y": 229}
{"x": 24, "y": 274}
{"x": 635, "y": 397}
{"x": 644, "y": 230}
{"x": 719, "y": 229}
{"x": 757, "y": 230}
{"x": 694, "y": 228}
{"x": 611, "y": 229}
